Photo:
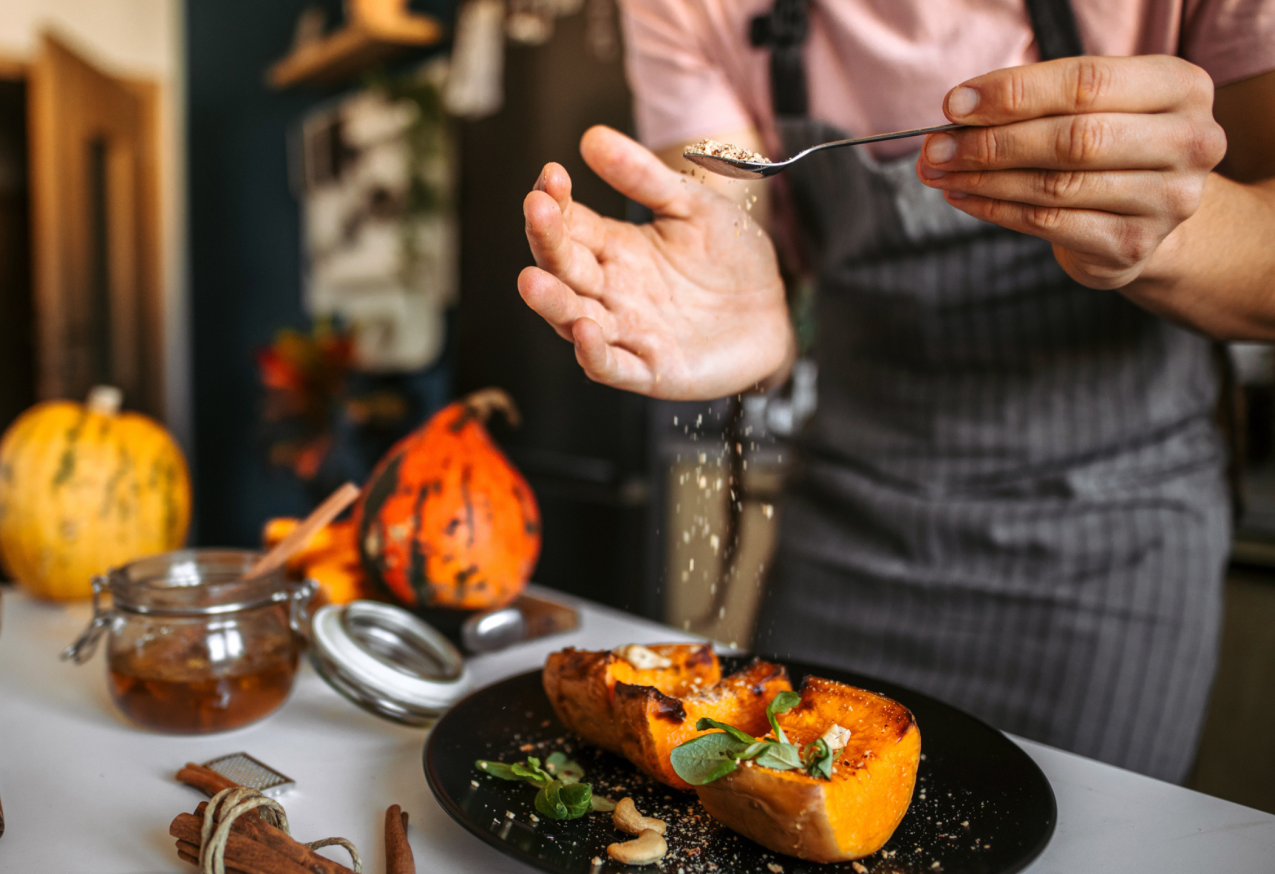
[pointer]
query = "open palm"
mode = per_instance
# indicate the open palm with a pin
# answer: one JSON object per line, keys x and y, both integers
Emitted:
{"x": 688, "y": 307}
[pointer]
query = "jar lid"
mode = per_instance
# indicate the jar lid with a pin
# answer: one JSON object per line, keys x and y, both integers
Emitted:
{"x": 387, "y": 661}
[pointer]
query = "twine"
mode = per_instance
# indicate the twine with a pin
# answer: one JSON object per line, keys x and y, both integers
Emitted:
{"x": 227, "y": 806}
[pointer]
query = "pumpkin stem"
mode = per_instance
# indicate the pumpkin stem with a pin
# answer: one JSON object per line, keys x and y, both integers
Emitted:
{"x": 105, "y": 400}
{"x": 483, "y": 402}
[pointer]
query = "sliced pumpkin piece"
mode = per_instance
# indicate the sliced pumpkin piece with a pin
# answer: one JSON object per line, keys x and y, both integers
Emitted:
{"x": 652, "y": 723}
{"x": 581, "y": 684}
{"x": 846, "y": 817}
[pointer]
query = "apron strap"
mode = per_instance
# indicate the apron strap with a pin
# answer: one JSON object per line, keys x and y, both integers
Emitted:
{"x": 1054, "y": 25}
{"x": 784, "y": 29}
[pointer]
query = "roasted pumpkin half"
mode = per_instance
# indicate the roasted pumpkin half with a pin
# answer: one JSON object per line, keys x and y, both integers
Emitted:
{"x": 652, "y": 723}
{"x": 845, "y": 816}
{"x": 581, "y": 684}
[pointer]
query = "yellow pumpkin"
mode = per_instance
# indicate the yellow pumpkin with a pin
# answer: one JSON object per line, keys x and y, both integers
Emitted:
{"x": 85, "y": 488}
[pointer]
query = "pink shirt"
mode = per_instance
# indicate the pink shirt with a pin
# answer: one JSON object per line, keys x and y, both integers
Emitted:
{"x": 882, "y": 65}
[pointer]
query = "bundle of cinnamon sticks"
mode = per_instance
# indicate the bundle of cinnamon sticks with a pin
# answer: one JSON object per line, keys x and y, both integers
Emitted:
{"x": 256, "y": 847}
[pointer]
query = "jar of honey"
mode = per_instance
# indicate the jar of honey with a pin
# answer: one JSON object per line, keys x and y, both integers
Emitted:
{"x": 193, "y": 647}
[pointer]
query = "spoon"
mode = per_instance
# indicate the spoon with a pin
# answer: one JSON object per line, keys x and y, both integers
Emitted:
{"x": 737, "y": 169}
{"x": 300, "y": 536}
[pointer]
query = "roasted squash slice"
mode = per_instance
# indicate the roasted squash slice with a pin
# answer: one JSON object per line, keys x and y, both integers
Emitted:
{"x": 652, "y": 723}
{"x": 846, "y": 817}
{"x": 581, "y": 684}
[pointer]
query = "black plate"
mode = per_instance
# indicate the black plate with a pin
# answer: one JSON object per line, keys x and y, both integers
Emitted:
{"x": 981, "y": 805}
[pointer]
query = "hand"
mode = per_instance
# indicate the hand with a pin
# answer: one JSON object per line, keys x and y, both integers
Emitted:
{"x": 1103, "y": 157}
{"x": 688, "y": 307}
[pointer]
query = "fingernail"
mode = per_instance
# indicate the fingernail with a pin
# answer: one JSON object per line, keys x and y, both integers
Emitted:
{"x": 956, "y": 195}
{"x": 540, "y": 183}
{"x": 962, "y": 101}
{"x": 932, "y": 173}
{"x": 940, "y": 149}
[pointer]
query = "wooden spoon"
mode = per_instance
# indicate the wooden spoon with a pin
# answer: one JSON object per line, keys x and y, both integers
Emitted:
{"x": 300, "y": 536}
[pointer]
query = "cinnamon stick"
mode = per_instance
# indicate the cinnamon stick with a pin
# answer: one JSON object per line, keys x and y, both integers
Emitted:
{"x": 241, "y": 851}
{"x": 190, "y": 853}
{"x": 277, "y": 840}
{"x": 398, "y": 852}
{"x": 206, "y": 780}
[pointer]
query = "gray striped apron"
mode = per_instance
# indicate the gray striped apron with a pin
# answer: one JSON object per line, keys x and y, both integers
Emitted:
{"x": 1012, "y": 495}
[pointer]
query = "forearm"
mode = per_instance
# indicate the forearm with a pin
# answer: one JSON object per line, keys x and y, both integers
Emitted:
{"x": 1216, "y": 271}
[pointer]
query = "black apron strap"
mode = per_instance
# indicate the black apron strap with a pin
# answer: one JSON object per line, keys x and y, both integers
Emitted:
{"x": 784, "y": 29}
{"x": 1054, "y": 24}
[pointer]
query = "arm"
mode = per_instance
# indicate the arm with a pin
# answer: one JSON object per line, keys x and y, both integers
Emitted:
{"x": 1110, "y": 159}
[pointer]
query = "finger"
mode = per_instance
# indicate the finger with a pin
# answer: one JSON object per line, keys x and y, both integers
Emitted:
{"x": 554, "y": 248}
{"x": 1067, "y": 86}
{"x": 1137, "y": 192}
{"x": 634, "y": 171}
{"x": 1112, "y": 245}
{"x": 585, "y": 226}
{"x": 609, "y": 364}
{"x": 551, "y": 299}
{"x": 1096, "y": 141}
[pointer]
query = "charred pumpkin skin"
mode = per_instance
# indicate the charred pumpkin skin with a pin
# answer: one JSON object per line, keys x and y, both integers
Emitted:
{"x": 581, "y": 684}
{"x": 848, "y": 817}
{"x": 83, "y": 491}
{"x": 445, "y": 520}
{"x": 652, "y": 723}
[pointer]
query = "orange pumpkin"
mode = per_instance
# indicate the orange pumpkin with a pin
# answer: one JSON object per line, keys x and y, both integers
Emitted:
{"x": 445, "y": 520}
{"x": 85, "y": 488}
{"x": 331, "y": 559}
{"x": 849, "y": 816}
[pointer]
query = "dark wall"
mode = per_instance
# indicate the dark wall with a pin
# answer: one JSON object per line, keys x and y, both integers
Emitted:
{"x": 17, "y": 351}
{"x": 245, "y": 269}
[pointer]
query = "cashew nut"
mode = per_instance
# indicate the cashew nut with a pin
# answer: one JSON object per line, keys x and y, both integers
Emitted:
{"x": 645, "y": 849}
{"x": 629, "y": 819}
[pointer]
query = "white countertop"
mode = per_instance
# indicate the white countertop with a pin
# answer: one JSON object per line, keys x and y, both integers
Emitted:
{"x": 83, "y": 791}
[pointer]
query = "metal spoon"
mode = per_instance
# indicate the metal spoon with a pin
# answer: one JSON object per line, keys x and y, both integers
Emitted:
{"x": 737, "y": 169}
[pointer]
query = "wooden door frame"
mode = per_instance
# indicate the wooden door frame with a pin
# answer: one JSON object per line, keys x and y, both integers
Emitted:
{"x": 139, "y": 263}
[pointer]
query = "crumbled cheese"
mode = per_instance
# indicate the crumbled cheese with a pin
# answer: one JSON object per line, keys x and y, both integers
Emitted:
{"x": 836, "y": 737}
{"x": 642, "y": 658}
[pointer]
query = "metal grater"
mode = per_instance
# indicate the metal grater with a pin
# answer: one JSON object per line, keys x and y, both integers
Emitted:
{"x": 247, "y": 771}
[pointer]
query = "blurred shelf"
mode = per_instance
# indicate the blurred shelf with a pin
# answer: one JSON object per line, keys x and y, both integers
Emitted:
{"x": 359, "y": 45}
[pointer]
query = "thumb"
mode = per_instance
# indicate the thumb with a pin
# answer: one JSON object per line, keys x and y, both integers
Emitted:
{"x": 634, "y": 171}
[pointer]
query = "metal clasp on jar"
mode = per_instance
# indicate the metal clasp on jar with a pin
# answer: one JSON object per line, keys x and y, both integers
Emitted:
{"x": 85, "y": 645}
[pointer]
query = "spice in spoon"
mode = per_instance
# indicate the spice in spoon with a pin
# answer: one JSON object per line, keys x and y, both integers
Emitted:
{"x": 729, "y": 151}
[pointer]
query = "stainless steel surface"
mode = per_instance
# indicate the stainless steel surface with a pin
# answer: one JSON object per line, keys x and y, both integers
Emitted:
{"x": 527, "y": 618}
{"x": 758, "y": 170}
{"x": 253, "y": 773}
{"x": 387, "y": 661}
{"x": 488, "y": 632}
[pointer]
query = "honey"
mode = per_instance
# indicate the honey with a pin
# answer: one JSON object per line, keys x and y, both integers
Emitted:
{"x": 192, "y": 700}
{"x": 192, "y": 644}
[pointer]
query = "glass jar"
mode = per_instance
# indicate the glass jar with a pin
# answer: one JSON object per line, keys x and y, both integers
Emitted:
{"x": 192, "y": 647}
